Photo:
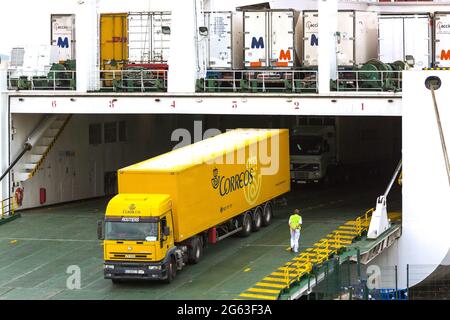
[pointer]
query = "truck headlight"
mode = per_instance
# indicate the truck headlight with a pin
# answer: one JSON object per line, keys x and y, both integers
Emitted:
{"x": 109, "y": 266}
{"x": 154, "y": 267}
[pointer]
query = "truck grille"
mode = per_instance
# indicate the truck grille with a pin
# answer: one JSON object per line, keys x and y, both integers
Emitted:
{"x": 130, "y": 256}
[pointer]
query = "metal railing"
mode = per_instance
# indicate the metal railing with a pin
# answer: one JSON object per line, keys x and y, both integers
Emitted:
{"x": 41, "y": 80}
{"x": 130, "y": 80}
{"x": 368, "y": 80}
{"x": 323, "y": 249}
{"x": 277, "y": 81}
{"x": 8, "y": 207}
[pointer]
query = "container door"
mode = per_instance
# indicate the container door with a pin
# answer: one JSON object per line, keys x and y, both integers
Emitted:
{"x": 161, "y": 37}
{"x": 63, "y": 37}
{"x": 139, "y": 33}
{"x": 345, "y": 39}
{"x": 219, "y": 46}
{"x": 113, "y": 41}
{"x": 310, "y": 38}
{"x": 417, "y": 41}
{"x": 282, "y": 39}
{"x": 390, "y": 39}
{"x": 255, "y": 39}
{"x": 442, "y": 40}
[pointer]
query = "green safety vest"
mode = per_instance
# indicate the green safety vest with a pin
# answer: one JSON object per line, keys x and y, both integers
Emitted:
{"x": 295, "y": 221}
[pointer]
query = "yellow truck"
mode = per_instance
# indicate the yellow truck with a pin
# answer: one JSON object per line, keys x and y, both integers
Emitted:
{"x": 169, "y": 207}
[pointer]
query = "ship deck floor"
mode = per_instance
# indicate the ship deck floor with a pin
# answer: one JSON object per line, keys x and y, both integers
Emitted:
{"x": 37, "y": 249}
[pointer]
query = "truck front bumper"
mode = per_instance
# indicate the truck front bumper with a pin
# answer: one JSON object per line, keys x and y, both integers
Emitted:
{"x": 305, "y": 177}
{"x": 135, "y": 270}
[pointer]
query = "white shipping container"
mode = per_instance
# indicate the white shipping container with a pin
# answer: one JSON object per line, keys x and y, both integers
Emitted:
{"x": 442, "y": 39}
{"x": 223, "y": 43}
{"x": 402, "y": 35}
{"x": 62, "y": 37}
{"x": 149, "y": 37}
{"x": 269, "y": 38}
{"x": 355, "y": 38}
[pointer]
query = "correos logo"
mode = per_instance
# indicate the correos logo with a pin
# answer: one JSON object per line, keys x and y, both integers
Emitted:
{"x": 248, "y": 180}
{"x": 310, "y": 25}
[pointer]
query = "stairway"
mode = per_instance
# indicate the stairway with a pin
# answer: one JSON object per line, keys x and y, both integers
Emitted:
{"x": 33, "y": 159}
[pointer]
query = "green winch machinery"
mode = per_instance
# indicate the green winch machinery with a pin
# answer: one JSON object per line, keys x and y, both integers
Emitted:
{"x": 61, "y": 76}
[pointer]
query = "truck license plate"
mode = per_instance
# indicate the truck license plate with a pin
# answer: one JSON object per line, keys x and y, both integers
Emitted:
{"x": 131, "y": 271}
{"x": 128, "y": 271}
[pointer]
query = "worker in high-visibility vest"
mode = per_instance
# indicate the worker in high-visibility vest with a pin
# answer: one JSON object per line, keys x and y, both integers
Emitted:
{"x": 295, "y": 225}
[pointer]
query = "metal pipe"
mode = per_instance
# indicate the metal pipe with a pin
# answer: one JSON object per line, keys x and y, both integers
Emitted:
{"x": 26, "y": 148}
{"x": 397, "y": 170}
{"x": 31, "y": 141}
{"x": 441, "y": 134}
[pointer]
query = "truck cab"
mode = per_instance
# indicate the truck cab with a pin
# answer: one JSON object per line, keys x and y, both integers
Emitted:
{"x": 312, "y": 152}
{"x": 138, "y": 238}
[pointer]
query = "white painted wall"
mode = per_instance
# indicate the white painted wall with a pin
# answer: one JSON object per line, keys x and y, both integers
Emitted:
{"x": 426, "y": 191}
{"x": 80, "y": 175}
{"x": 4, "y": 138}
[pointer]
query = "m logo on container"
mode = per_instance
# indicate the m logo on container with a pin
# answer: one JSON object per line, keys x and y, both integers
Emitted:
{"x": 285, "y": 55}
{"x": 63, "y": 43}
{"x": 314, "y": 40}
{"x": 258, "y": 44}
{"x": 445, "y": 55}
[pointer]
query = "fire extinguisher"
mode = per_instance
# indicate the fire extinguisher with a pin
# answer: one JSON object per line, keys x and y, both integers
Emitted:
{"x": 42, "y": 195}
{"x": 18, "y": 195}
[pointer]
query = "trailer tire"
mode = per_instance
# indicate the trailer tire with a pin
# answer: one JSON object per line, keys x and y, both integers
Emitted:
{"x": 246, "y": 224}
{"x": 196, "y": 250}
{"x": 172, "y": 271}
{"x": 257, "y": 219}
{"x": 267, "y": 214}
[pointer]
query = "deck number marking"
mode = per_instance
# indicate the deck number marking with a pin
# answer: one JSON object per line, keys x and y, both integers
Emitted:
{"x": 173, "y": 104}
{"x": 296, "y": 105}
{"x": 362, "y": 106}
{"x": 74, "y": 280}
{"x": 53, "y": 103}
{"x": 111, "y": 103}
{"x": 234, "y": 104}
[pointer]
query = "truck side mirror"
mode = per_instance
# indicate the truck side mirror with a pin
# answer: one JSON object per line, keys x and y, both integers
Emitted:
{"x": 100, "y": 234}
{"x": 166, "y": 231}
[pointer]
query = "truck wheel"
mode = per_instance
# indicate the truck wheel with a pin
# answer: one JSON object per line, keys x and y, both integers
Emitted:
{"x": 267, "y": 214}
{"x": 246, "y": 224}
{"x": 196, "y": 250}
{"x": 172, "y": 271}
{"x": 257, "y": 219}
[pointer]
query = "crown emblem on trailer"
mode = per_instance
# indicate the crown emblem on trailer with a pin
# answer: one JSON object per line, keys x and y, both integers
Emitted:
{"x": 132, "y": 207}
{"x": 215, "y": 179}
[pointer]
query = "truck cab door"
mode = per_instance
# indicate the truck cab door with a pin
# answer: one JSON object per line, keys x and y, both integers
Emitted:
{"x": 166, "y": 231}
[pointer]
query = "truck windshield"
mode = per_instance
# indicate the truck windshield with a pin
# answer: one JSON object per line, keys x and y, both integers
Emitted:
{"x": 145, "y": 231}
{"x": 305, "y": 145}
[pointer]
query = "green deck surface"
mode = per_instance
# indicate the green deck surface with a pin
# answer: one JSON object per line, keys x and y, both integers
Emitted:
{"x": 37, "y": 249}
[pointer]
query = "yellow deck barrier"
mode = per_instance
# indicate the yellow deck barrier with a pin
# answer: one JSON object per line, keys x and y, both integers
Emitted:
{"x": 303, "y": 263}
{"x": 7, "y": 207}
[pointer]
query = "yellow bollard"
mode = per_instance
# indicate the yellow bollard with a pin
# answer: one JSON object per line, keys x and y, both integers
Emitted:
{"x": 12, "y": 206}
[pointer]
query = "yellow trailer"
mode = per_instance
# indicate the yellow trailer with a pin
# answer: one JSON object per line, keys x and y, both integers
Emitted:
{"x": 113, "y": 45}
{"x": 170, "y": 206}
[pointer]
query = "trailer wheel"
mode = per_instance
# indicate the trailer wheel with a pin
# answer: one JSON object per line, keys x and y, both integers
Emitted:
{"x": 196, "y": 250}
{"x": 257, "y": 219}
{"x": 246, "y": 224}
{"x": 268, "y": 214}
